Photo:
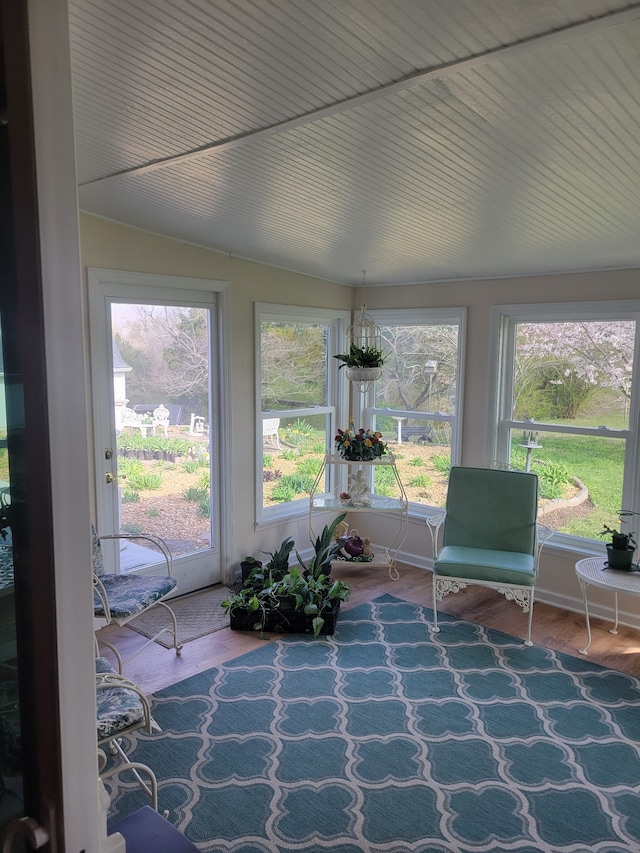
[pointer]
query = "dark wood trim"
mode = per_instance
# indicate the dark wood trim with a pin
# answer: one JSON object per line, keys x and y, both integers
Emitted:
{"x": 29, "y": 451}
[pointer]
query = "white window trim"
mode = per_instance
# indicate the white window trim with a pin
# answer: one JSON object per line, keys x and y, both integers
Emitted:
{"x": 503, "y": 321}
{"x": 337, "y": 394}
{"x": 428, "y": 317}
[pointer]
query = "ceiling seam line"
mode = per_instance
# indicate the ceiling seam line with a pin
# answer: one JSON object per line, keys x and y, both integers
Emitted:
{"x": 415, "y": 78}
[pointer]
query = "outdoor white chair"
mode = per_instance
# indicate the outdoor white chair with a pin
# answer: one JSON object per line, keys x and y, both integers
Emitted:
{"x": 161, "y": 419}
{"x": 120, "y": 598}
{"x": 270, "y": 428}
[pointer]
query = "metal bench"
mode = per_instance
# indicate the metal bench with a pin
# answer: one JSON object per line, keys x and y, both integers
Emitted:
{"x": 422, "y": 434}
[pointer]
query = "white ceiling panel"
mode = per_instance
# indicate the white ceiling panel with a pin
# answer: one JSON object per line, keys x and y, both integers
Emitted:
{"x": 418, "y": 140}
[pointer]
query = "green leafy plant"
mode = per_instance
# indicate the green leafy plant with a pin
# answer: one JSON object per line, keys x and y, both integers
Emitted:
{"x": 441, "y": 462}
{"x": 130, "y": 496}
{"x": 421, "y": 481}
{"x": 273, "y": 604}
{"x": 620, "y": 541}
{"x": 279, "y": 559}
{"x": 298, "y": 433}
{"x": 416, "y": 461}
{"x": 361, "y": 357}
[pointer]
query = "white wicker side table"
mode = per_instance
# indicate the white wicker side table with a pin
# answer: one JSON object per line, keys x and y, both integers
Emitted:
{"x": 592, "y": 572}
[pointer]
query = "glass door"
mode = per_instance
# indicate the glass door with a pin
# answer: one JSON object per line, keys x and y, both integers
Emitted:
{"x": 155, "y": 429}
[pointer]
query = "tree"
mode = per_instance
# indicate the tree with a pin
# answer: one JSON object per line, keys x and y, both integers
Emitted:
{"x": 560, "y": 365}
{"x": 406, "y": 382}
{"x": 293, "y": 358}
{"x": 168, "y": 349}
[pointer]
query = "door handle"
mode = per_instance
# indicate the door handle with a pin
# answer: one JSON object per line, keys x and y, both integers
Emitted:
{"x": 113, "y": 478}
{"x": 35, "y": 834}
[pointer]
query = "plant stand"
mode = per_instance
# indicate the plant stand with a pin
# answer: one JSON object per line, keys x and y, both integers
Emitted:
{"x": 340, "y": 471}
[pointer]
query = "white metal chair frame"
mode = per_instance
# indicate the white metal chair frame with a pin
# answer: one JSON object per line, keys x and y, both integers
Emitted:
{"x": 111, "y": 680}
{"x": 109, "y": 619}
{"x": 521, "y": 594}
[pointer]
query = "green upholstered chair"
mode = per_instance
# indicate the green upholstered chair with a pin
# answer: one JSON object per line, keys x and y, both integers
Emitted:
{"x": 490, "y": 536}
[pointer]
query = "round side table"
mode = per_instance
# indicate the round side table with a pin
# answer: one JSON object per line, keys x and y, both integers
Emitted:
{"x": 592, "y": 572}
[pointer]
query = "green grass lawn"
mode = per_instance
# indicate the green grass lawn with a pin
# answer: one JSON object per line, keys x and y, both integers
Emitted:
{"x": 595, "y": 461}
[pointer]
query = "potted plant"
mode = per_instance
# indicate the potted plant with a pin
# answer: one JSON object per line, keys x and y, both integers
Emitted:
{"x": 297, "y": 603}
{"x": 278, "y": 564}
{"x": 303, "y": 600}
{"x": 362, "y": 363}
{"x": 622, "y": 546}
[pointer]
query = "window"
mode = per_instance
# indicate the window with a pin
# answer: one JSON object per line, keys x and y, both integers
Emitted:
{"x": 297, "y": 402}
{"x": 416, "y": 403}
{"x": 567, "y": 409}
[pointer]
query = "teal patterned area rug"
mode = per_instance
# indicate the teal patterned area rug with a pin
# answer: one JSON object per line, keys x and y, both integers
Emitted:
{"x": 385, "y": 737}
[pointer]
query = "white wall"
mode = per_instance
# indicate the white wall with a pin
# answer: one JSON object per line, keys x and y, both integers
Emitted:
{"x": 105, "y": 244}
{"x": 109, "y": 245}
{"x": 557, "y": 583}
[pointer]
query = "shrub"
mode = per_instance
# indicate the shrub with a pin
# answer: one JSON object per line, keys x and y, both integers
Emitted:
{"x": 310, "y": 466}
{"x": 204, "y": 507}
{"x": 267, "y": 460}
{"x": 192, "y": 466}
{"x": 300, "y": 483}
{"x": 283, "y": 492}
{"x": 130, "y": 496}
{"x": 416, "y": 461}
{"x": 552, "y": 478}
{"x": 298, "y": 433}
{"x": 441, "y": 462}
{"x": 130, "y": 468}
{"x": 150, "y": 480}
{"x": 422, "y": 481}
{"x": 289, "y": 455}
{"x": 195, "y": 494}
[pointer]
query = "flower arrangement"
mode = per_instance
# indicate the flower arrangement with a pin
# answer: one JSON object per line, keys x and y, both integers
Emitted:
{"x": 361, "y": 446}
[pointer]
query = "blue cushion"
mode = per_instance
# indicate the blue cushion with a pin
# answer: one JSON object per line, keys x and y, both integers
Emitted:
{"x": 117, "y": 707}
{"x": 131, "y": 594}
{"x": 97, "y": 558}
{"x": 480, "y": 564}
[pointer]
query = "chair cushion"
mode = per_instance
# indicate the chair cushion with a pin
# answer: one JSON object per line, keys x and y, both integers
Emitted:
{"x": 492, "y": 509}
{"x": 97, "y": 558}
{"x": 131, "y": 594}
{"x": 482, "y": 564}
{"x": 117, "y": 707}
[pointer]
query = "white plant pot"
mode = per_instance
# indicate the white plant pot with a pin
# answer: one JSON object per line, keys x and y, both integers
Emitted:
{"x": 363, "y": 374}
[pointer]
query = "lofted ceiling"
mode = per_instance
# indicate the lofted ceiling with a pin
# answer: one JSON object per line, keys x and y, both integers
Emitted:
{"x": 419, "y": 140}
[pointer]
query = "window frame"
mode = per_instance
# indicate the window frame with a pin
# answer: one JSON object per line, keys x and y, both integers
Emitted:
{"x": 504, "y": 320}
{"x": 337, "y": 394}
{"x": 425, "y": 317}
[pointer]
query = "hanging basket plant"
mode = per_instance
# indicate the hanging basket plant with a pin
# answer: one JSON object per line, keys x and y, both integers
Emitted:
{"x": 363, "y": 374}
{"x": 363, "y": 357}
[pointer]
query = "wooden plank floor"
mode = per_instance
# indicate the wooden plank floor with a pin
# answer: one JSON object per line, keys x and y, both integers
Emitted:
{"x": 553, "y": 628}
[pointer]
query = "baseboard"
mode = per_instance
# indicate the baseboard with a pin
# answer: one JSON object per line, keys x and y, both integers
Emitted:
{"x": 574, "y": 604}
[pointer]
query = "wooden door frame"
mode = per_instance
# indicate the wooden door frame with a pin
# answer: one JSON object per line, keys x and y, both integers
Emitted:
{"x": 28, "y": 442}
